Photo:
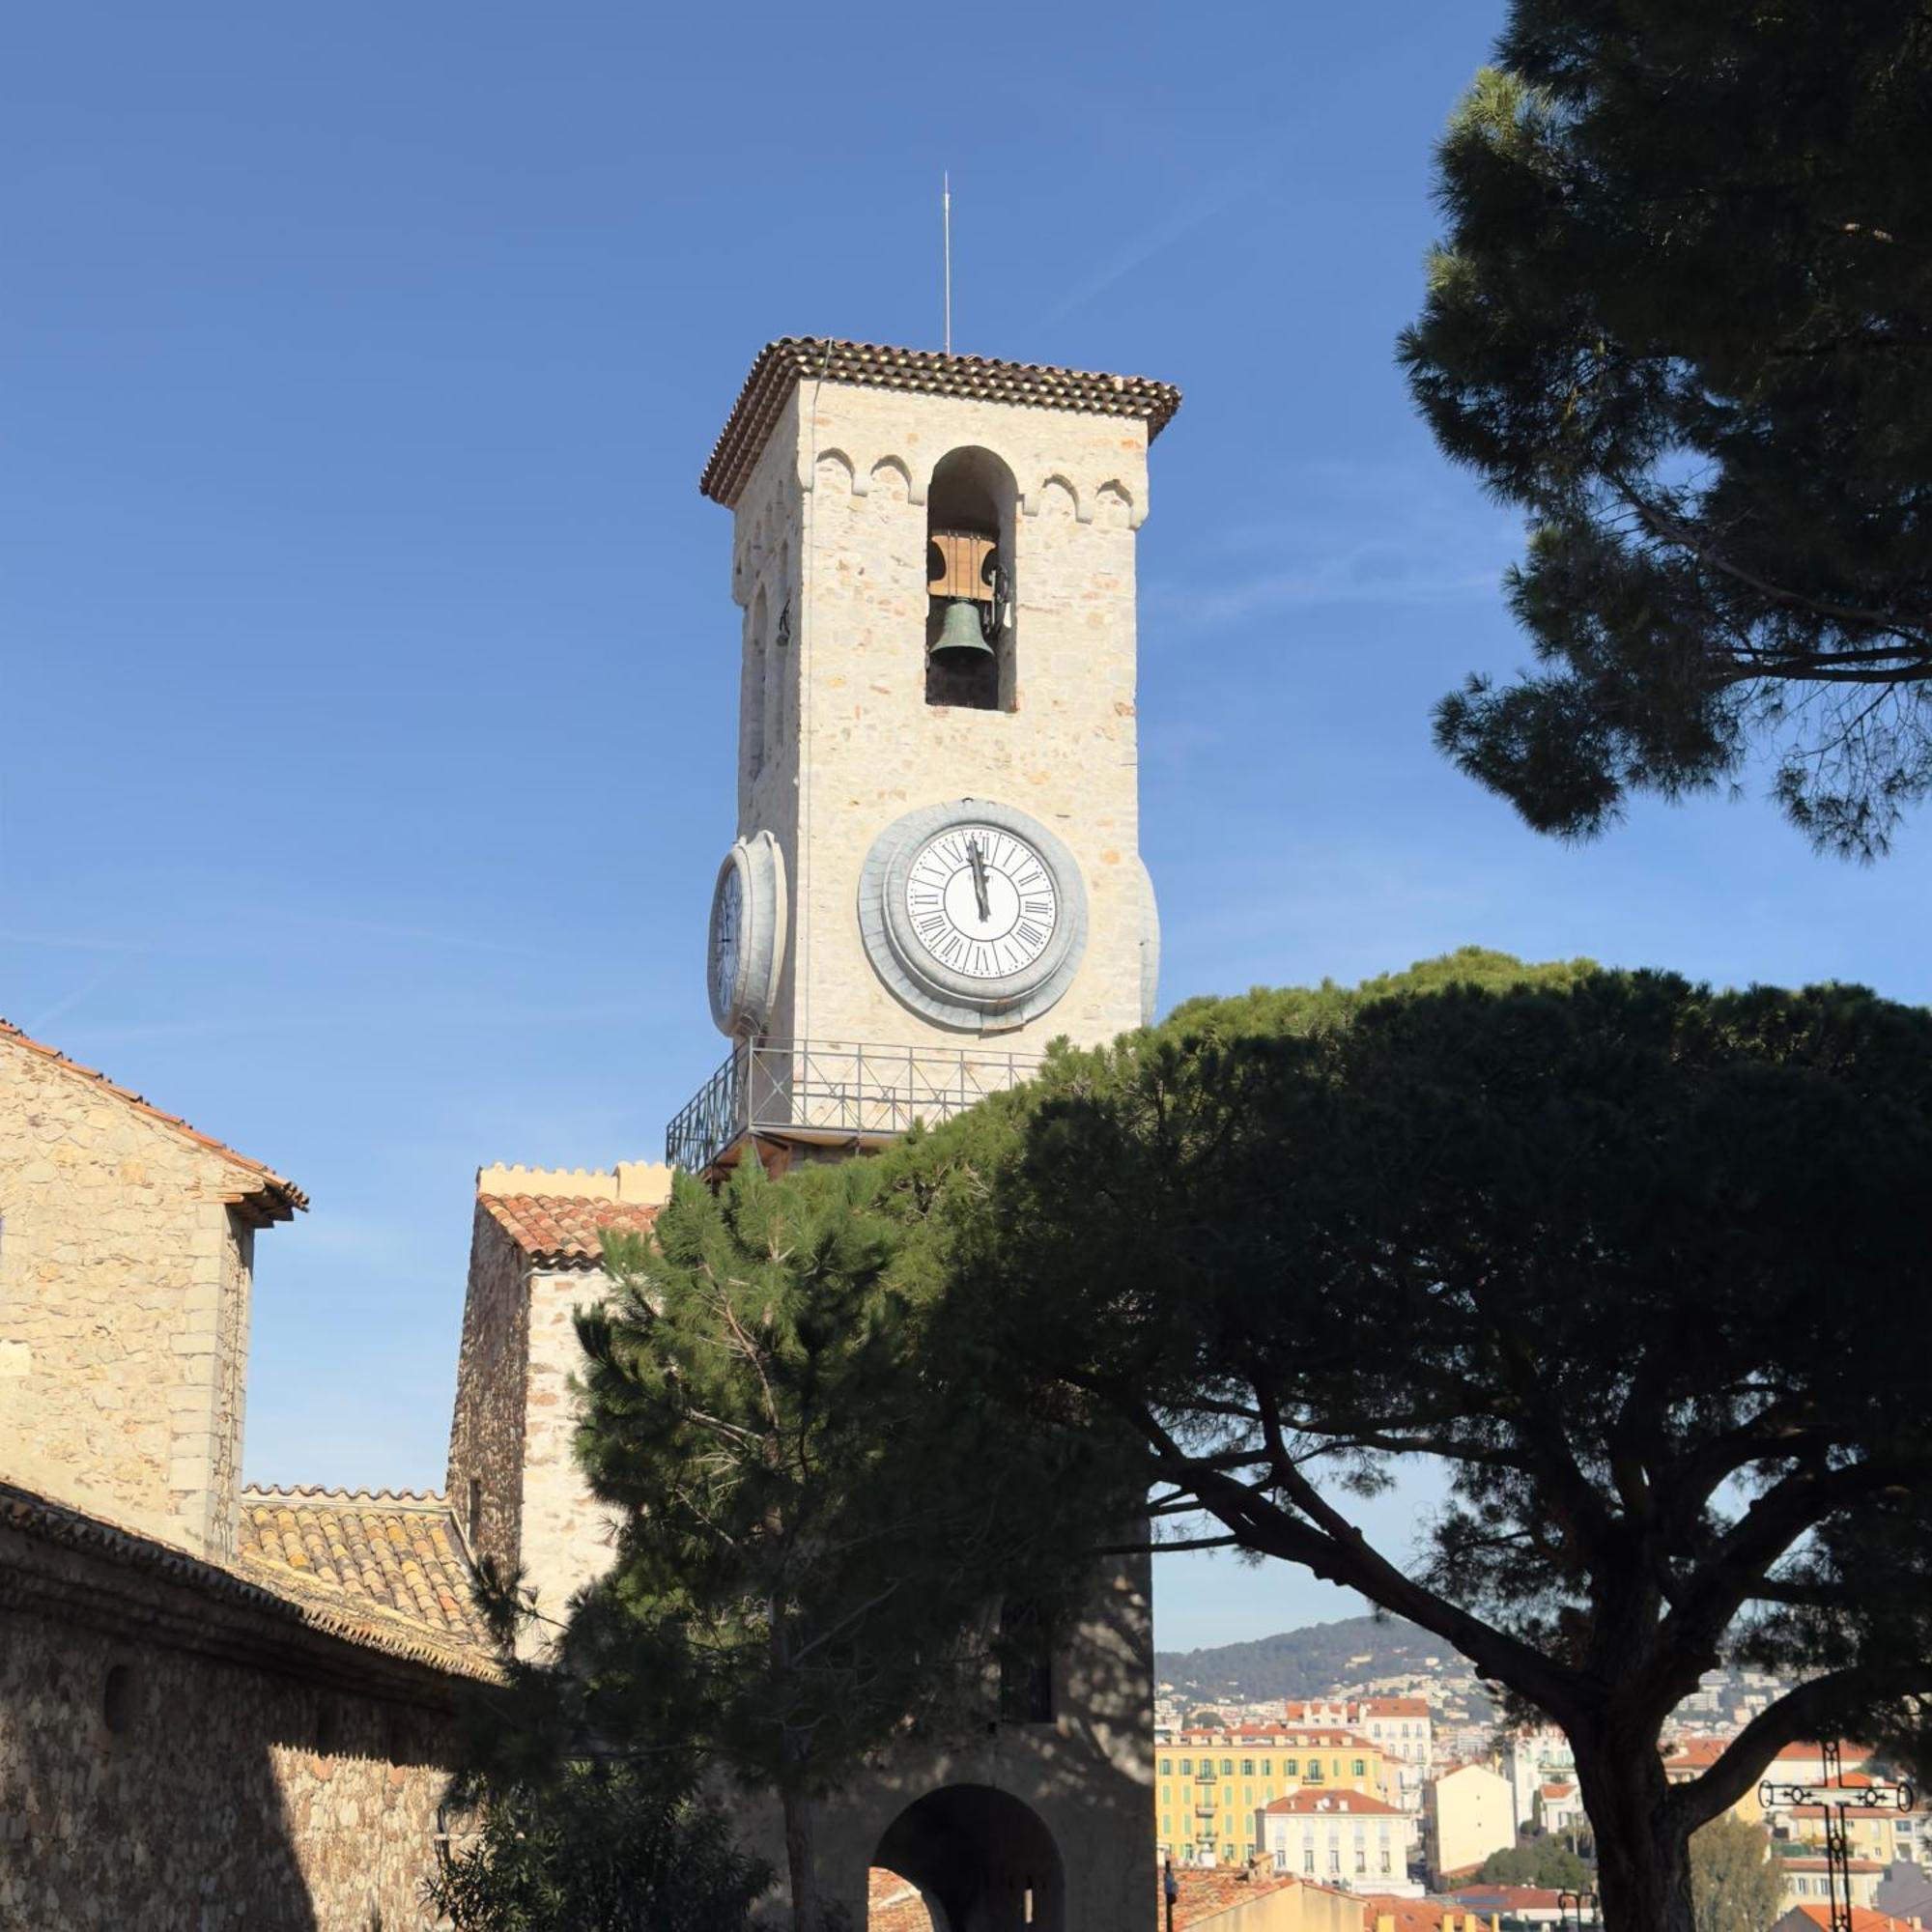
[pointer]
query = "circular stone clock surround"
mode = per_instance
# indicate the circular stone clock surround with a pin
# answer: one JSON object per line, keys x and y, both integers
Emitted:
{"x": 948, "y": 998}
{"x": 758, "y": 866}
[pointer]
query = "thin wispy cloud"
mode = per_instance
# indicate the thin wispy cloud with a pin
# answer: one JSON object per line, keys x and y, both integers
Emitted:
{"x": 1366, "y": 576}
{"x": 419, "y": 935}
{"x": 1163, "y": 235}
{"x": 79, "y": 942}
{"x": 416, "y": 1019}
{"x": 43, "y": 1017}
{"x": 1343, "y": 535}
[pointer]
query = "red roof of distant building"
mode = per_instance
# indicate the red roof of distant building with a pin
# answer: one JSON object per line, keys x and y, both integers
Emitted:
{"x": 1355, "y": 1804}
{"x": 893, "y": 1904}
{"x": 1407, "y": 1914}
{"x": 1863, "y": 1920}
{"x": 1205, "y": 1895}
{"x": 1397, "y": 1707}
{"x": 1696, "y": 1753}
{"x": 1848, "y": 1753}
{"x": 1291, "y": 1737}
{"x": 1506, "y": 1899}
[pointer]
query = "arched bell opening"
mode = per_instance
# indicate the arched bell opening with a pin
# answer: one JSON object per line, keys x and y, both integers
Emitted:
{"x": 980, "y": 1859}
{"x": 970, "y": 505}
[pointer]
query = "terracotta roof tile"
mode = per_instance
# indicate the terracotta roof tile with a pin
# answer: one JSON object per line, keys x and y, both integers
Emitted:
{"x": 562, "y": 1230}
{"x": 255, "y": 1583}
{"x": 783, "y": 365}
{"x": 1864, "y": 1918}
{"x": 1205, "y": 1895}
{"x": 893, "y": 1905}
{"x": 271, "y": 1198}
{"x": 1405, "y": 1915}
{"x": 1352, "y": 1804}
{"x": 398, "y": 1553}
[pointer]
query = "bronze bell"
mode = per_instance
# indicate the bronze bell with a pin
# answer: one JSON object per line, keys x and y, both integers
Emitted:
{"x": 961, "y": 641}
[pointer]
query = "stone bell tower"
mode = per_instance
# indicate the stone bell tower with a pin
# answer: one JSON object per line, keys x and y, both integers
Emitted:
{"x": 937, "y": 868}
{"x": 937, "y": 871}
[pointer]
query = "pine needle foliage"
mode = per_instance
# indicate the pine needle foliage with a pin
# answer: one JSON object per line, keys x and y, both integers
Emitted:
{"x": 1682, "y": 318}
{"x": 808, "y": 1564}
{"x": 1639, "y": 1268}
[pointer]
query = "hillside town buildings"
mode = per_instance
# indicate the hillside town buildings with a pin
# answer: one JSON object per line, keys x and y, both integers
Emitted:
{"x": 1211, "y": 1785}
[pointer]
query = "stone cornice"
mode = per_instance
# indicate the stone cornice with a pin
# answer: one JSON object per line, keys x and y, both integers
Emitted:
{"x": 783, "y": 365}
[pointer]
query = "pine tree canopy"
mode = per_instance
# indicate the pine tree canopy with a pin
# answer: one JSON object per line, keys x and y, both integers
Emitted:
{"x": 1639, "y": 1268}
{"x": 1682, "y": 317}
{"x": 811, "y": 1557}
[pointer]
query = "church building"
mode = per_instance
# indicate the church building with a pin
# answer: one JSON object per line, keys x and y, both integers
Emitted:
{"x": 225, "y": 1707}
{"x": 936, "y": 870}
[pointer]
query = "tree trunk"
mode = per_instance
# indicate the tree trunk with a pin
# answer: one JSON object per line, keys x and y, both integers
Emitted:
{"x": 1643, "y": 1853}
{"x": 801, "y": 1861}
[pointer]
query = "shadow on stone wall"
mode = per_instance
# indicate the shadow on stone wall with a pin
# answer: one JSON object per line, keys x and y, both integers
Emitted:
{"x": 148, "y": 1781}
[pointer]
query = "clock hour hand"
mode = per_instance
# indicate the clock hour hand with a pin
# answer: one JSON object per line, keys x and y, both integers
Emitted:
{"x": 979, "y": 860}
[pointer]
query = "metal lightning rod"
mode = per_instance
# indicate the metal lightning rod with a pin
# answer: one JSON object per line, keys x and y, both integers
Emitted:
{"x": 945, "y": 231}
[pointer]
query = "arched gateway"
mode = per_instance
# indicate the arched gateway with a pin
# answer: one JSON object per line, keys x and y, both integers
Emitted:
{"x": 981, "y": 1857}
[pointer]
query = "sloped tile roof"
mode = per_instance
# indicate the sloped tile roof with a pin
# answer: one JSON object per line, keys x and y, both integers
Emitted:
{"x": 783, "y": 365}
{"x": 1205, "y": 1895}
{"x": 271, "y": 1198}
{"x": 1405, "y": 1914}
{"x": 1864, "y": 1918}
{"x": 564, "y": 1231}
{"x": 398, "y": 1555}
{"x": 254, "y": 1583}
{"x": 1319, "y": 1801}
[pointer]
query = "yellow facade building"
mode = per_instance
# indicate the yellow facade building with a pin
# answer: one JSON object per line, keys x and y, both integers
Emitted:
{"x": 1209, "y": 1785}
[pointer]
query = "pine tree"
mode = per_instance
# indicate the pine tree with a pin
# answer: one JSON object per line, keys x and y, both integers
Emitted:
{"x": 807, "y": 1568}
{"x": 1639, "y": 1268}
{"x": 1683, "y": 319}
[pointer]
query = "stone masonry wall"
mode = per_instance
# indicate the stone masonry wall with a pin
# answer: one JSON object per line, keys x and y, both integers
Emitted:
{"x": 566, "y": 1534}
{"x": 198, "y": 1794}
{"x": 124, "y": 1293}
{"x": 1087, "y": 1778}
{"x": 834, "y": 521}
{"x": 486, "y": 1437}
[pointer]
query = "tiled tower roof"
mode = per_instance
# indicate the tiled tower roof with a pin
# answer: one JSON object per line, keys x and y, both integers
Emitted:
{"x": 783, "y": 365}
{"x": 560, "y": 1230}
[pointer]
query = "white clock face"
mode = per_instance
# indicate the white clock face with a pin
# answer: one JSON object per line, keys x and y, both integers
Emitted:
{"x": 744, "y": 947}
{"x": 727, "y": 933}
{"x": 981, "y": 901}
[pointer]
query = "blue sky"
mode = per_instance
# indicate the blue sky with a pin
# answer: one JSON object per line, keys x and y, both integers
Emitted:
{"x": 368, "y": 658}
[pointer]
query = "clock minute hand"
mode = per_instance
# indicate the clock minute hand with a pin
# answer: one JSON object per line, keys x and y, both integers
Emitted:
{"x": 979, "y": 861}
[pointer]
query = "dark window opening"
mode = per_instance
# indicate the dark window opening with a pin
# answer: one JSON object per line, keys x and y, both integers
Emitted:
{"x": 475, "y": 1511}
{"x": 119, "y": 1698}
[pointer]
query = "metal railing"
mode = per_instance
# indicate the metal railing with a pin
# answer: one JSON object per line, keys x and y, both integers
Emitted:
{"x": 832, "y": 1093}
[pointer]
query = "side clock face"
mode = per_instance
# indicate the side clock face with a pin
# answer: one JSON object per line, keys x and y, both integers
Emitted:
{"x": 982, "y": 901}
{"x": 745, "y": 945}
{"x": 974, "y": 914}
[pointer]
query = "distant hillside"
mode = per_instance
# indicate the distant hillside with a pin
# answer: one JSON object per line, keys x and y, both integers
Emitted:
{"x": 1305, "y": 1662}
